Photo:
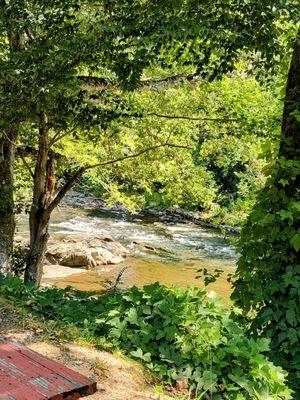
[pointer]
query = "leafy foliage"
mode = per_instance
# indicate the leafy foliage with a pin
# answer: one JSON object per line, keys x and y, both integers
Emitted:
{"x": 267, "y": 282}
{"x": 179, "y": 334}
{"x": 209, "y": 276}
{"x": 219, "y": 173}
{"x": 268, "y": 275}
{"x": 46, "y": 45}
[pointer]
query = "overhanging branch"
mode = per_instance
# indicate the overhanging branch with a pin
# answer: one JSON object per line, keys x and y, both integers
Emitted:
{"x": 27, "y": 166}
{"x": 189, "y": 118}
{"x": 64, "y": 190}
{"x": 57, "y": 137}
{"x": 147, "y": 150}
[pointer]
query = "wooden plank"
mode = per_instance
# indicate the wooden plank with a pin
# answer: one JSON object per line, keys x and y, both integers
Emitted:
{"x": 27, "y": 375}
{"x": 10, "y": 390}
{"x": 36, "y": 376}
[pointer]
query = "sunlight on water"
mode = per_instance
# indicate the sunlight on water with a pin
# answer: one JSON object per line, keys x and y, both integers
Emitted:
{"x": 168, "y": 253}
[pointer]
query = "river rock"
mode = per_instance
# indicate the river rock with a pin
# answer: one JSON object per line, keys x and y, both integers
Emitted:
{"x": 77, "y": 199}
{"x": 105, "y": 256}
{"x": 102, "y": 241}
{"x": 152, "y": 249}
{"x": 83, "y": 250}
{"x": 60, "y": 271}
{"x": 19, "y": 240}
{"x": 71, "y": 255}
{"x": 80, "y": 250}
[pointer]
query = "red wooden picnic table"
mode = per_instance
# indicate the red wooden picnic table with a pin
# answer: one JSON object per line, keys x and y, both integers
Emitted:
{"x": 27, "y": 375}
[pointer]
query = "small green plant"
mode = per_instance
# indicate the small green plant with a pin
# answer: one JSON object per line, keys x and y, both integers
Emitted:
{"x": 112, "y": 286}
{"x": 18, "y": 260}
{"x": 99, "y": 367}
{"x": 180, "y": 334}
{"x": 209, "y": 276}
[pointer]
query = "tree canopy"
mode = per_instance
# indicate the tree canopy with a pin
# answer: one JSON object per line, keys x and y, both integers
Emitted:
{"x": 64, "y": 68}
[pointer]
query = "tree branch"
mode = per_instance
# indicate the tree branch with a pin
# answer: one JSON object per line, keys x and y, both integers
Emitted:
{"x": 57, "y": 137}
{"x": 99, "y": 83}
{"x": 188, "y": 118}
{"x": 27, "y": 166}
{"x": 147, "y": 150}
{"x": 168, "y": 79}
{"x": 64, "y": 190}
{"x": 166, "y": 116}
{"x": 53, "y": 139}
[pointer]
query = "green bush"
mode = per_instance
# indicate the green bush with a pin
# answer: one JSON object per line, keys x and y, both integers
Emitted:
{"x": 181, "y": 334}
{"x": 267, "y": 278}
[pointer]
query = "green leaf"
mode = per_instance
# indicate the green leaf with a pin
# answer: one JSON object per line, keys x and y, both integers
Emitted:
{"x": 296, "y": 241}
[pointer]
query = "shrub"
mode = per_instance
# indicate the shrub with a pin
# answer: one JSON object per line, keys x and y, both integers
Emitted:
{"x": 181, "y": 334}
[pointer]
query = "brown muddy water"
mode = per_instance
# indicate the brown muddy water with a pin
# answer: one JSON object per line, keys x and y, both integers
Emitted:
{"x": 180, "y": 250}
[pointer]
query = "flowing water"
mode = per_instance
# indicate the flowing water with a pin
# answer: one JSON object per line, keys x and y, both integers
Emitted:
{"x": 164, "y": 252}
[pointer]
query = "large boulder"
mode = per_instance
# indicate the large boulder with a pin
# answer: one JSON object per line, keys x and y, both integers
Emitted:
{"x": 82, "y": 250}
{"x": 70, "y": 255}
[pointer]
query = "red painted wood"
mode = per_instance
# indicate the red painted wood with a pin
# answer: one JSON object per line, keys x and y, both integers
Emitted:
{"x": 14, "y": 363}
{"x": 26, "y": 375}
{"x": 8, "y": 388}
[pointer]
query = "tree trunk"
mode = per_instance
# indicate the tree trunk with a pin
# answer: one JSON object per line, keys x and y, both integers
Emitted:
{"x": 290, "y": 141}
{"x": 7, "y": 220}
{"x": 268, "y": 268}
{"x": 7, "y": 159}
{"x": 39, "y": 223}
{"x": 43, "y": 204}
{"x": 38, "y": 217}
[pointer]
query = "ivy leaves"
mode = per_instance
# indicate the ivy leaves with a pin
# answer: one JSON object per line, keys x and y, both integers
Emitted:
{"x": 180, "y": 334}
{"x": 268, "y": 274}
{"x": 295, "y": 241}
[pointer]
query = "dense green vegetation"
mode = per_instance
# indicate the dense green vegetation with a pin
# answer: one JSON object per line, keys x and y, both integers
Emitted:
{"x": 219, "y": 172}
{"x": 178, "y": 334}
{"x": 268, "y": 275}
{"x": 63, "y": 63}
{"x": 65, "y": 71}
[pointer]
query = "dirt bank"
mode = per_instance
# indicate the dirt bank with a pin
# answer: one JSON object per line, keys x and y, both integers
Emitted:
{"x": 117, "y": 377}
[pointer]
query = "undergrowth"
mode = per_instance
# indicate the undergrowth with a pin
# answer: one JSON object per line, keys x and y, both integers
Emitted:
{"x": 180, "y": 334}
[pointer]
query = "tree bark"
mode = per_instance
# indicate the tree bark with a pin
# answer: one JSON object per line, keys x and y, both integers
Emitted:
{"x": 268, "y": 251}
{"x": 7, "y": 158}
{"x": 290, "y": 142}
{"x": 7, "y": 219}
{"x": 39, "y": 224}
{"x": 43, "y": 204}
{"x": 39, "y": 215}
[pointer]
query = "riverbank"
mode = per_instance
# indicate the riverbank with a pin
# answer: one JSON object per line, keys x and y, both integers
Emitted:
{"x": 140, "y": 272}
{"x": 167, "y": 330}
{"x": 83, "y": 200}
{"x": 118, "y": 377}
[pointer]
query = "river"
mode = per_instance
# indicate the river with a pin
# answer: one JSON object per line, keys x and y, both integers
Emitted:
{"x": 170, "y": 253}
